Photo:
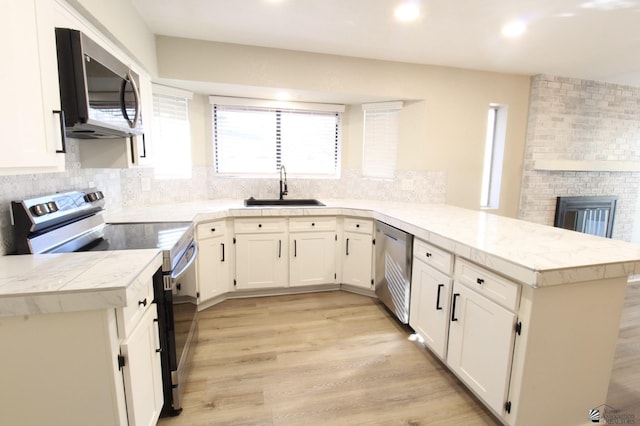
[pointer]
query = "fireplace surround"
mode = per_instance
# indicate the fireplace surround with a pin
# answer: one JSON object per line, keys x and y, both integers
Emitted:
{"x": 588, "y": 214}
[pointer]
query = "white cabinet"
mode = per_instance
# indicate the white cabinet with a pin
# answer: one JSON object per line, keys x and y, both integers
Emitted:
{"x": 312, "y": 246}
{"x": 481, "y": 336}
{"x": 357, "y": 256}
{"x": 98, "y": 367}
{"x": 430, "y": 306}
{"x": 262, "y": 249}
{"x": 215, "y": 258}
{"x": 431, "y": 295}
{"x": 30, "y": 116}
{"x": 142, "y": 371}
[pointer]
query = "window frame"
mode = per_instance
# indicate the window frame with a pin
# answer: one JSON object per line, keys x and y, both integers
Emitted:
{"x": 168, "y": 93}
{"x": 374, "y": 145}
{"x": 279, "y": 107}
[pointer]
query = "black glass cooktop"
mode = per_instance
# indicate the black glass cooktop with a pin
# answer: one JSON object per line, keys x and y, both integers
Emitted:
{"x": 130, "y": 236}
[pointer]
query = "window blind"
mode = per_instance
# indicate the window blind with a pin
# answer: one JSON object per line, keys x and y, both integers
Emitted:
{"x": 380, "y": 146}
{"x": 251, "y": 140}
{"x": 171, "y": 134}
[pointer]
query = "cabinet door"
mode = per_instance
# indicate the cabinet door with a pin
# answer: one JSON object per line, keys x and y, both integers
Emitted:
{"x": 262, "y": 260}
{"x": 481, "y": 337}
{"x": 213, "y": 267}
{"x": 30, "y": 89}
{"x": 142, "y": 371}
{"x": 312, "y": 258}
{"x": 430, "y": 306}
{"x": 357, "y": 259}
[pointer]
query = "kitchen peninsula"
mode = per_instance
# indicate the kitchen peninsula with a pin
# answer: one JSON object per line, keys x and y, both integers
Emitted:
{"x": 564, "y": 289}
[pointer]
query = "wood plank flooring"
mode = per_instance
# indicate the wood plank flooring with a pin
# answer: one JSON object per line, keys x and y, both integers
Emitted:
{"x": 338, "y": 358}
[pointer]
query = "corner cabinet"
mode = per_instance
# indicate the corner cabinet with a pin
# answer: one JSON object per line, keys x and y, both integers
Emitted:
{"x": 262, "y": 253}
{"x": 215, "y": 259}
{"x": 312, "y": 251}
{"x": 357, "y": 253}
{"x": 33, "y": 139}
{"x": 98, "y": 367}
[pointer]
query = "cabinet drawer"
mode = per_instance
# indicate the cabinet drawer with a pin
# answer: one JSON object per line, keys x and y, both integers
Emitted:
{"x": 211, "y": 229}
{"x": 306, "y": 224}
{"x": 137, "y": 303}
{"x": 358, "y": 225}
{"x": 433, "y": 256}
{"x": 260, "y": 225}
{"x": 492, "y": 286}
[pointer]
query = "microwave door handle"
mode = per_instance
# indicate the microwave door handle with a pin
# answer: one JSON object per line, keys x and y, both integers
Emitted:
{"x": 136, "y": 95}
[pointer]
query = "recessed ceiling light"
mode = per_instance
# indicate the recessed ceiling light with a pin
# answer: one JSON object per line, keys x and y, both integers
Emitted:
{"x": 283, "y": 96}
{"x": 514, "y": 29}
{"x": 407, "y": 12}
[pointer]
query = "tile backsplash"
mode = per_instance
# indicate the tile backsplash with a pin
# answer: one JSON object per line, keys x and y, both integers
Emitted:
{"x": 138, "y": 187}
{"x": 19, "y": 187}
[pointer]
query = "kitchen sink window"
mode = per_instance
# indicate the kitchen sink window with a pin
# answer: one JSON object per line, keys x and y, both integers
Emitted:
{"x": 171, "y": 133}
{"x": 256, "y": 137}
{"x": 380, "y": 145}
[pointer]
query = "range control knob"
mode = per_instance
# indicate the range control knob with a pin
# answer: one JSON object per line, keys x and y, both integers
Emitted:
{"x": 53, "y": 207}
{"x": 39, "y": 209}
{"x": 91, "y": 197}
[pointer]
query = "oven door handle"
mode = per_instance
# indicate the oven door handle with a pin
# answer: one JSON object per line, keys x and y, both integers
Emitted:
{"x": 187, "y": 258}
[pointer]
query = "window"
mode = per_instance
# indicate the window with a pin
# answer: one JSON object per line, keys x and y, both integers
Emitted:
{"x": 493, "y": 156}
{"x": 171, "y": 133}
{"x": 381, "y": 128}
{"x": 253, "y": 137}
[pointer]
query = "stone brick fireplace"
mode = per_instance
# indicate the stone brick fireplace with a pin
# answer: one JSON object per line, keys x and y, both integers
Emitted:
{"x": 583, "y": 139}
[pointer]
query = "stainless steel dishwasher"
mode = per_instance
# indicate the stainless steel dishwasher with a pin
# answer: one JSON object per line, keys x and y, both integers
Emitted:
{"x": 394, "y": 250}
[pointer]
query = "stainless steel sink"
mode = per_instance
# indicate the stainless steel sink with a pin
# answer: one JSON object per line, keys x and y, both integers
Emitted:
{"x": 286, "y": 202}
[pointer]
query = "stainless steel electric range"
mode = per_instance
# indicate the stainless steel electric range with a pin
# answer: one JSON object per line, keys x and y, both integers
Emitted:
{"x": 73, "y": 221}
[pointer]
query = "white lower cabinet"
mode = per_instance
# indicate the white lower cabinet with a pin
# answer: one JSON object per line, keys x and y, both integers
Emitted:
{"x": 98, "y": 367}
{"x": 481, "y": 337}
{"x": 430, "y": 306}
{"x": 312, "y": 251}
{"x": 357, "y": 255}
{"x": 262, "y": 253}
{"x": 215, "y": 259}
{"x": 142, "y": 371}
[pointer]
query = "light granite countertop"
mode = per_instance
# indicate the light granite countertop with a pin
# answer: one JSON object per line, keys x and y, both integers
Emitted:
{"x": 530, "y": 253}
{"x": 65, "y": 282}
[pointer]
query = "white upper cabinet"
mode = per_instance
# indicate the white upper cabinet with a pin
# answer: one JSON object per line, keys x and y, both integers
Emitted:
{"x": 32, "y": 137}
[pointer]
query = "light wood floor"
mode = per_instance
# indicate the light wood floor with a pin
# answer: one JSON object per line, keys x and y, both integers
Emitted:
{"x": 338, "y": 358}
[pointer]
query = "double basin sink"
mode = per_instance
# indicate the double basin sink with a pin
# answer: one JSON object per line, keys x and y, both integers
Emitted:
{"x": 293, "y": 202}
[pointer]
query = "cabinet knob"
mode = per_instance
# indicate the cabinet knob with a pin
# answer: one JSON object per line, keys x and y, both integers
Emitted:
{"x": 142, "y": 302}
{"x": 480, "y": 281}
{"x": 428, "y": 254}
{"x": 357, "y": 225}
{"x": 213, "y": 229}
{"x": 259, "y": 225}
{"x": 313, "y": 224}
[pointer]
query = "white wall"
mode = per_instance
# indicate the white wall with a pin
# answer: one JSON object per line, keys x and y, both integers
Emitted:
{"x": 443, "y": 124}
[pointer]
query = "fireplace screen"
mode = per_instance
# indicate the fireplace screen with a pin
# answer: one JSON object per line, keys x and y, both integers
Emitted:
{"x": 590, "y": 215}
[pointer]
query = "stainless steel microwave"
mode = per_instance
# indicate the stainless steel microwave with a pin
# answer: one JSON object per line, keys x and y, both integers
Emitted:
{"x": 98, "y": 93}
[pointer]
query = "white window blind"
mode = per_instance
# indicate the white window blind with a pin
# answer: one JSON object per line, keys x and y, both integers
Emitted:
{"x": 171, "y": 133}
{"x": 253, "y": 140}
{"x": 380, "y": 146}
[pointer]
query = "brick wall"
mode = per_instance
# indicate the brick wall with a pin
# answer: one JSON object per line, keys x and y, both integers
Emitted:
{"x": 572, "y": 119}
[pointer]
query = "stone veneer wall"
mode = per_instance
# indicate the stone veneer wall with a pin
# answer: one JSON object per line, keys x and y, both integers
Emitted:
{"x": 572, "y": 119}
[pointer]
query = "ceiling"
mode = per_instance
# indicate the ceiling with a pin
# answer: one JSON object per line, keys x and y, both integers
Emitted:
{"x": 587, "y": 39}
